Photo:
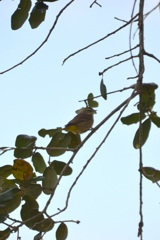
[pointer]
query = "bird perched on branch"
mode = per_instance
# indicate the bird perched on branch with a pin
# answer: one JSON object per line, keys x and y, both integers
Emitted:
{"x": 82, "y": 122}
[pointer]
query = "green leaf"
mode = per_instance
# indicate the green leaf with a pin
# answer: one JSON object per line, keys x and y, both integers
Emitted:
{"x": 23, "y": 153}
{"x": 38, "y": 236}
{"x": 145, "y": 128}
{"x": 103, "y": 90}
{"x": 32, "y": 190}
{"x": 45, "y": 225}
{"x": 62, "y": 232}
{"x": 38, "y": 14}
{"x": 92, "y": 103}
{"x": 5, "y": 171}
{"x": 58, "y": 166}
{"x": 5, "y": 234}
{"x": 30, "y": 210}
{"x": 8, "y": 195}
{"x": 133, "y": 118}
{"x": 24, "y": 144}
{"x": 50, "y": 132}
{"x": 151, "y": 173}
{"x": 8, "y": 184}
{"x": 59, "y": 140}
{"x": 147, "y": 97}
{"x": 155, "y": 119}
{"x": 21, "y": 14}
{"x": 151, "y": 86}
{"x": 75, "y": 140}
{"x": 25, "y": 141}
{"x": 9, "y": 200}
{"x": 38, "y": 162}
{"x": 50, "y": 179}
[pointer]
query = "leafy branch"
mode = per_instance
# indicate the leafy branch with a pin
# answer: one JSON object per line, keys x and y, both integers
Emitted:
{"x": 45, "y": 40}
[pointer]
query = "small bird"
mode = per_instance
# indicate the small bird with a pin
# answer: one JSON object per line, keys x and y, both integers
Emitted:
{"x": 82, "y": 122}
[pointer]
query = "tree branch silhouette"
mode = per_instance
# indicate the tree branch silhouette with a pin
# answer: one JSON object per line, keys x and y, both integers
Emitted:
{"x": 139, "y": 83}
{"x": 45, "y": 40}
{"x": 101, "y": 39}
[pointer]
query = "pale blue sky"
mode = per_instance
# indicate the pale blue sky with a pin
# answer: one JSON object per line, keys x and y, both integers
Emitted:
{"x": 42, "y": 93}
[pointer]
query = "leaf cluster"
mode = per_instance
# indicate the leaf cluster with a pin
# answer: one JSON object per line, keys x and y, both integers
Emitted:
{"x": 37, "y": 13}
{"x": 31, "y": 175}
{"x": 26, "y": 180}
{"x": 147, "y": 117}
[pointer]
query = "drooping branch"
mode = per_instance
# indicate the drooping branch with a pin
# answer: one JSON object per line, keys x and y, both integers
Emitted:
{"x": 45, "y": 40}
{"x": 151, "y": 56}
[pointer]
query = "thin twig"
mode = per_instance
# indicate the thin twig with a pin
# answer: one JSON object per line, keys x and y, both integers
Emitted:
{"x": 39, "y": 148}
{"x": 116, "y": 64}
{"x": 121, "y": 20}
{"x": 45, "y": 40}
{"x": 95, "y": 2}
{"x": 119, "y": 54}
{"x": 130, "y": 37}
{"x": 108, "y": 93}
{"x": 101, "y": 39}
{"x": 149, "y": 12}
{"x": 151, "y": 56}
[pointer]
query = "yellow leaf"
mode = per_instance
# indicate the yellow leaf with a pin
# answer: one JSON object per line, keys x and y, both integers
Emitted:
{"x": 22, "y": 170}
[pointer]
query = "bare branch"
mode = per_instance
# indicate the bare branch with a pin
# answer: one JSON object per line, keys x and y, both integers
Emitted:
{"x": 152, "y": 56}
{"x": 119, "y": 90}
{"x": 95, "y": 2}
{"x": 139, "y": 83}
{"x": 119, "y": 54}
{"x": 121, "y": 20}
{"x": 116, "y": 64}
{"x": 147, "y": 14}
{"x": 40, "y": 148}
{"x": 45, "y": 40}
{"x": 130, "y": 37}
{"x": 101, "y": 39}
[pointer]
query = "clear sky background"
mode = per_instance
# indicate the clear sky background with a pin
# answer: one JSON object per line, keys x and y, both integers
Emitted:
{"x": 41, "y": 93}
